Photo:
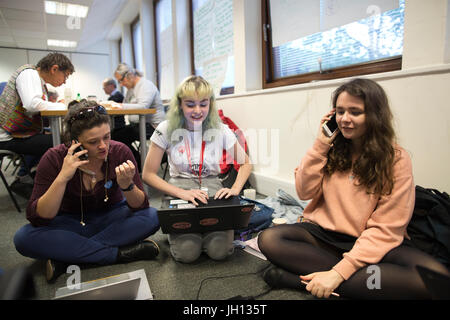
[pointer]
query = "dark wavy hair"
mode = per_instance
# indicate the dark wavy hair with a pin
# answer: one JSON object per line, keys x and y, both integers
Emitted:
{"x": 73, "y": 127}
{"x": 63, "y": 63}
{"x": 374, "y": 167}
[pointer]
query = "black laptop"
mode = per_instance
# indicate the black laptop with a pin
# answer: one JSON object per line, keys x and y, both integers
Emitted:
{"x": 437, "y": 284}
{"x": 179, "y": 216}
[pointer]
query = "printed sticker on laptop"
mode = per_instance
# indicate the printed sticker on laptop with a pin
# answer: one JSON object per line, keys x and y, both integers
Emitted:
{"x": 209, "y": 221}
{"x": 186, "y": 206}
{"x": 181, "y": 225}
{"x": 178, "y": 201}
{"x": 246, "y": 209}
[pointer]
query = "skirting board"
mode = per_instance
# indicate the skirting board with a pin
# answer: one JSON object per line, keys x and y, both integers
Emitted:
{"x": 269, "y": 185}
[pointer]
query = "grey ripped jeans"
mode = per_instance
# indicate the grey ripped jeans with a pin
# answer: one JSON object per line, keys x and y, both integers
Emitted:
{"x": 188, "y": 247}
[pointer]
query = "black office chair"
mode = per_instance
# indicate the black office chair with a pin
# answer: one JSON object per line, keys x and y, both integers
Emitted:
{"x": 164, "y": 159}
{"x": 2, "y": 86}
{"x": 14, "y": 157}
{"x": 16, "y": 160}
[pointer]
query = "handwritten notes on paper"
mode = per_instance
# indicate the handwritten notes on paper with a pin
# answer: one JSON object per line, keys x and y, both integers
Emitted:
{"x": 213, "y": 40}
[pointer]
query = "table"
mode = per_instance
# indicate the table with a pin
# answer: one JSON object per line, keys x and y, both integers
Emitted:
{"x": 55, "y": 124}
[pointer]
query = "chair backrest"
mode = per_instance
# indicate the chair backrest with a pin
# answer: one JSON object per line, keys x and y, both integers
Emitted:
{"x": 7, "y": 153}
{"x": 2, "y": 86}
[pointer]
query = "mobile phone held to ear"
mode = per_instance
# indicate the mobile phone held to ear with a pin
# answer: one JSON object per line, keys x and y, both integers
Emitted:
{"x": 330, "y": 126}
{"x": 84, "y": 156}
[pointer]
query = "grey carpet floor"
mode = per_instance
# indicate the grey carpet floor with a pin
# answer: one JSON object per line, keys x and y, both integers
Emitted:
{"x": 205, "y": 279}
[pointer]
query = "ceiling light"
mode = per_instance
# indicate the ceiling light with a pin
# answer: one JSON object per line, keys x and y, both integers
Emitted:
{"x": 66, "y": 9}
{"x": 61, "y": 43}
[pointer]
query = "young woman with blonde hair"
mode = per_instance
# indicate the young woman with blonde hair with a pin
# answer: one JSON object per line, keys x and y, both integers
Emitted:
{"x": 194, "y": 138}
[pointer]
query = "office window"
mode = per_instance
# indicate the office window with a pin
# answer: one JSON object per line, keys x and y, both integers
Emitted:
{"x": 136, "y": 36}
{"x": 306, "y": 40}
{"x": 213, "y": 54}
{"x": 164, "y": 47}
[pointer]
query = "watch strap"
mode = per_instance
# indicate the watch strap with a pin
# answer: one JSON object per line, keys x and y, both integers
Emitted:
{"x": 130, "y": 187}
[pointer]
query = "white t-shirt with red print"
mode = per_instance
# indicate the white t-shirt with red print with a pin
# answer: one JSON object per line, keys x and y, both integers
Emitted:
{"x": 184, "y": 149}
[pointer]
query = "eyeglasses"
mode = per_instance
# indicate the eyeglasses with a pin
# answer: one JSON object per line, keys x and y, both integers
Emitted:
{"x": 123, "y": 77}
{"x": 66, "y": 76}
{"x": 87, "y": 113}
{"x": 65, "y": 73}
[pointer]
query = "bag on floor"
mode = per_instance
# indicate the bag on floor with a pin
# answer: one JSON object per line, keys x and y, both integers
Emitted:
{"x": 260, "y": 219}
{"x": 429, "y": 227}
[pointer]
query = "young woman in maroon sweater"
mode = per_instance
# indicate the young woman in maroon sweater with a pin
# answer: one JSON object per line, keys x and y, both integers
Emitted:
{"x": 87, "y": 211}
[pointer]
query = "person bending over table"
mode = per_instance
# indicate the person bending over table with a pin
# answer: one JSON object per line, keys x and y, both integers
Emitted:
{"x": 361, "y": 185}
{"x": 23, "y": 97}
{"x": 87, "y": 211}
{"x": 141, "y": 94}
{"x": 194, "y": 138}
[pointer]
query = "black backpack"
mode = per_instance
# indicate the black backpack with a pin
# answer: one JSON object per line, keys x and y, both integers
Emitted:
{"x": 429, "y": 227}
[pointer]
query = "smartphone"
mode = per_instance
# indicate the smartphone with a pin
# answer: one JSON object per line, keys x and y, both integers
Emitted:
{"x": 330, "y": 126}
{"x": 84, "y": 156}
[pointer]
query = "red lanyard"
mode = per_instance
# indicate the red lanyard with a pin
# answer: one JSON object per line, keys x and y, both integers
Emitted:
{"x": 200, "y": 165}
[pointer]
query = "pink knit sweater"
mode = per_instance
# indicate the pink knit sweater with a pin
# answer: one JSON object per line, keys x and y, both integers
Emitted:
{"x": 379, "y": 222}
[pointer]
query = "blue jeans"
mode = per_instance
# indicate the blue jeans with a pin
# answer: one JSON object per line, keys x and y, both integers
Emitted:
{"x": 66, "y": 240}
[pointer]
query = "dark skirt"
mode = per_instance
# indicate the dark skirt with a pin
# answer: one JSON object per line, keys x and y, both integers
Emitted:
{"x": 338, "y": 240}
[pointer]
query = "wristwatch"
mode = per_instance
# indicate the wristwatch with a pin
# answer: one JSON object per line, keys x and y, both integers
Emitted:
{"x": 130, "y": 187}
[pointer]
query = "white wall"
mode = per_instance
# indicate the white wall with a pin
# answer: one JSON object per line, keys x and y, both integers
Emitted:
{"x": 10, "y": 59}
{"x": 91, "y": 70}
{"x": 422, "y": 120}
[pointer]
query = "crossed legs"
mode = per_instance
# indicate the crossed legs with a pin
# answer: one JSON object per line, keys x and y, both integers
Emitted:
{"x": 297, "y": 252}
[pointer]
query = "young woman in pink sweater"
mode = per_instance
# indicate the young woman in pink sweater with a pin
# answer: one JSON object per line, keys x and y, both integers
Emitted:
{"x": 352, "y": 239}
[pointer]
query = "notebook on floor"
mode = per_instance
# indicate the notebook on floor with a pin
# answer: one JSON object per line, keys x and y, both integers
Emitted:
{"x": 179, "y": 216}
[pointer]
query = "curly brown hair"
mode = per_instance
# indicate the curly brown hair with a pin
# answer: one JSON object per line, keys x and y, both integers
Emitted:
{"x": 55, "y": 58}
{"x": 374, "y": 166}
{"x": 73, "y": 127}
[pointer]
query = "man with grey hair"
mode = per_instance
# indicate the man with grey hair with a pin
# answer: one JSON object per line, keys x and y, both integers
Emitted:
{"x": 110, "y": 88}
{"x": 141, "y": 94}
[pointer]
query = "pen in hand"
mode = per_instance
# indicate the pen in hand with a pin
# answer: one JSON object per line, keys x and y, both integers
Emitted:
{"x": 333, "y": 293}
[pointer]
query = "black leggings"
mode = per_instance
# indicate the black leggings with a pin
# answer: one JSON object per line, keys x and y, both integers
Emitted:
{"x": 298, "y": 252}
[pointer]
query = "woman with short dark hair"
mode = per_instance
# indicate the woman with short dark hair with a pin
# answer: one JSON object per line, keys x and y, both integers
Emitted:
{"x": 88, "y": 203}
{"x": 23, "y": 97}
